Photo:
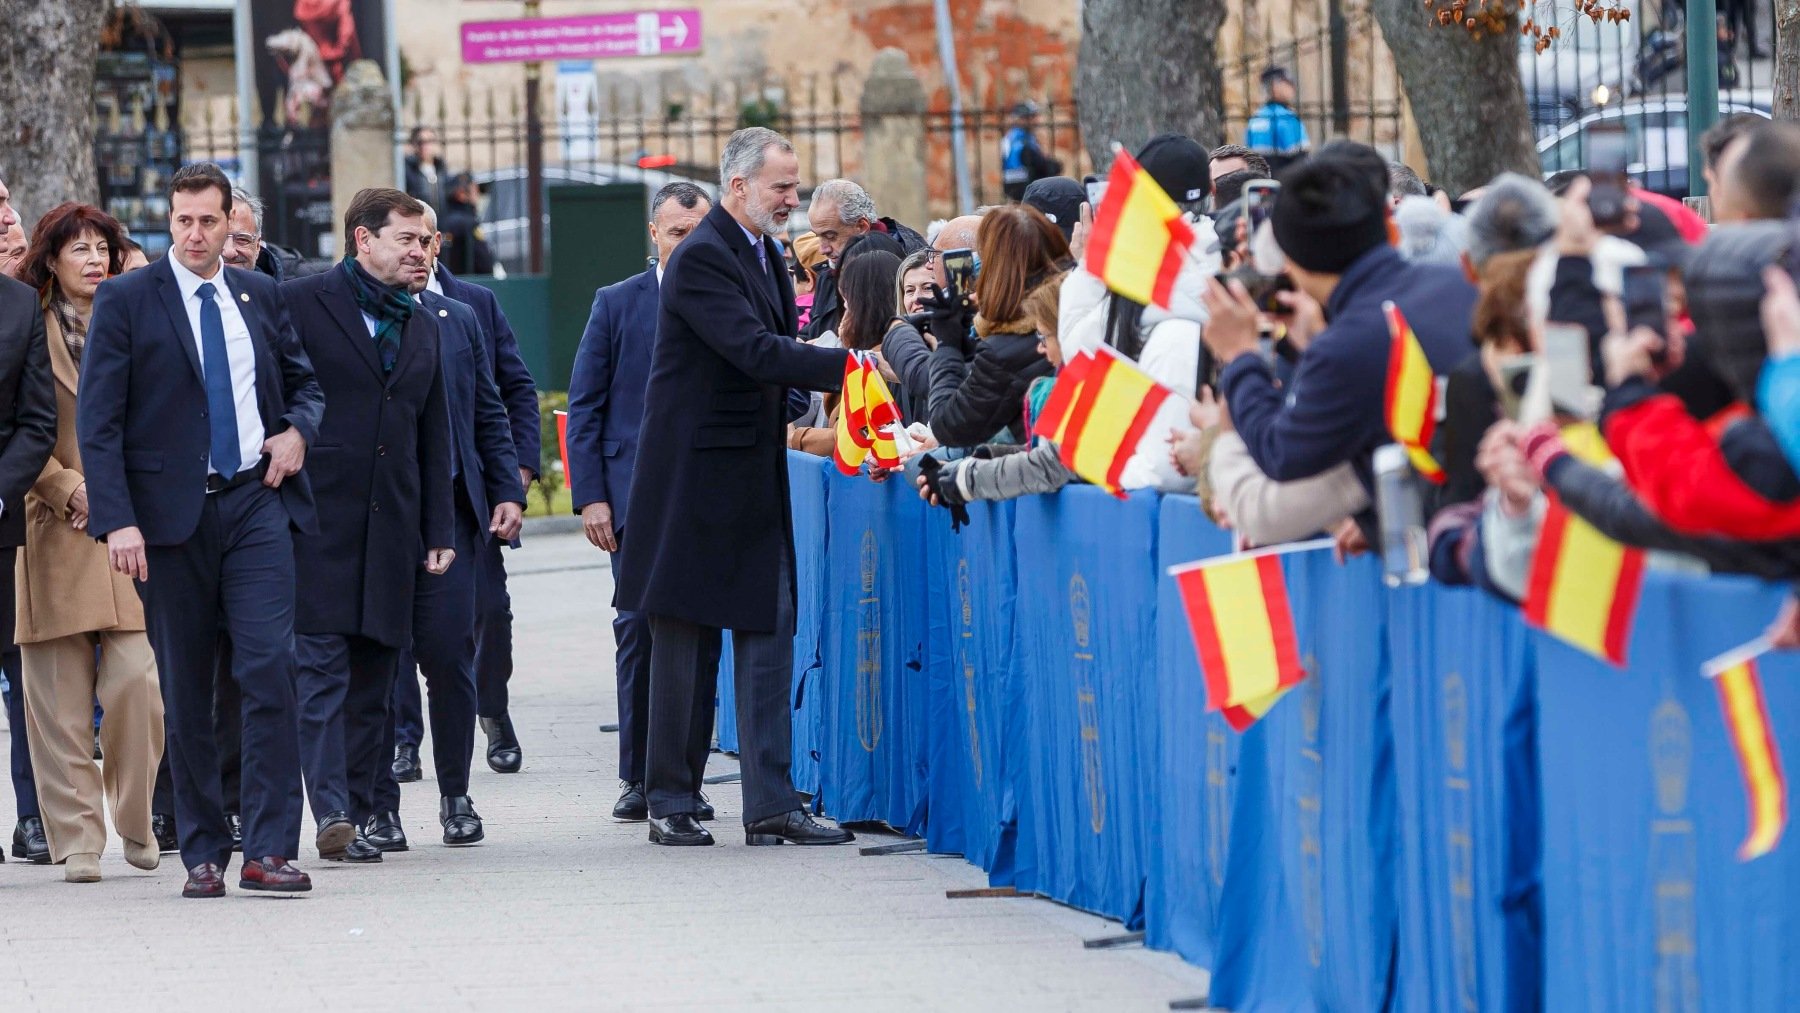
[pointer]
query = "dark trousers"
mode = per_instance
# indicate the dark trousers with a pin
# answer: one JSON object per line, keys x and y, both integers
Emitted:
{"x": 345, "y": 683}
{"x": 1740, "y": 17}
{"x": 444, "y": 647}
{"x": 228, "y": 729}
{"x": 493, "y": 636}
{"x": 24, "y": 785}
{"x": 234, "y": 575}
{"x": 631, "y": 665}
{"x": 684, "y": 672}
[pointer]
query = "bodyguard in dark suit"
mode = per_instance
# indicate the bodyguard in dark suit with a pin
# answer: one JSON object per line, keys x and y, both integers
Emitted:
{"x": 27, "y": 432}
{"x": 381, "y": 470}
{"x": 712, "y": 543}
{"x": 196, "y": 409}
{"x": 606, "y": 402}
{"x": 489, "y": 504}
{"x": 493, "y": 606}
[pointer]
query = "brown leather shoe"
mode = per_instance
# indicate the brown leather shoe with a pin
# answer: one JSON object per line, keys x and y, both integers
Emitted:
{"x": 274, "y": 874}
{"x": 205, "y": 880}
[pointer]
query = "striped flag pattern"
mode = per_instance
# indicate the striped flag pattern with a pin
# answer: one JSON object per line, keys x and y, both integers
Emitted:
{"x": 1140, "y": 240}
{"x": 1243, "y": 626}
{"x": 1411, "y": 404}
{"x": 1584, "y": 587}
{"x": 1097, "y": 412}
{"x": 1746, "y": 715}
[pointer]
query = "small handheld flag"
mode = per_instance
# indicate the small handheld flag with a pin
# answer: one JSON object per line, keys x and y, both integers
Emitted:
{"x": 1140, "y": 239}
{"x": 1746, "y": 714}
{"x": 1411, "y": 407}
{"x": 1097, "y": 412}
{"x": 1583, "y": 587}
{"x": 865, "y": 409}
{"x": 1243, "y": 626}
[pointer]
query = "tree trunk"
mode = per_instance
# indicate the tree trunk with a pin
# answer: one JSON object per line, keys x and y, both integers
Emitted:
{"x": 47, "y": 57}
{"x": 1787, "y": 59}
{"x": 1465, "y": 94}
{"x": 1148, "y": 66}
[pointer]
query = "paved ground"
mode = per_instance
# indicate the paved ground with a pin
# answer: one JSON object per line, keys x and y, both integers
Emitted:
{"x": 563, "y": 908}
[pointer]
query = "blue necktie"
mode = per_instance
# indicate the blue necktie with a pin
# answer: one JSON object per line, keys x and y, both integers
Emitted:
{"x": 221, "y": 403}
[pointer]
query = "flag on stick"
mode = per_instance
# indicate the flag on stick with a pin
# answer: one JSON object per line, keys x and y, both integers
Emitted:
{"x": 1412, "y": 395}
{"x": 1237, "y": 609}
{"x": 866, "y": 407}
{"x": 1746, "y": 714}
{"x": 1097, "y": 412}
{"x": 1584, "y": 586}
{"x": 1140, "y": 240}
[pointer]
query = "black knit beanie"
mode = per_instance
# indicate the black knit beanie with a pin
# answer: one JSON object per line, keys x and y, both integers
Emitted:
{"x": 1328, "y": 214}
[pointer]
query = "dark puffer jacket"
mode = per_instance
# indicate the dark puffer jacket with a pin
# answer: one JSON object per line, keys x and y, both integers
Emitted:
{"x": 974, "y": 396}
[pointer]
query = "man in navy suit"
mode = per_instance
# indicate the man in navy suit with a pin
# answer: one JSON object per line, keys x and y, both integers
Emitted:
{"x": 493, "y": 607}
{"x": 490, "y": 505}
{"x": 382, "y": 470}
{"x": 606, "y": 402}
{"x": 196, "y": 409}
{"x": 712, "y": 543}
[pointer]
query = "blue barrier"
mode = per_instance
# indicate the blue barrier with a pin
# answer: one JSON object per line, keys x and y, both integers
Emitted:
{"x": 1382, "y": 840}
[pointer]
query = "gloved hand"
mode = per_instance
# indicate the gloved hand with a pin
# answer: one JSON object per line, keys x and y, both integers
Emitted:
{"x": 949, "y": 317}
{"x": 937, "y": 484}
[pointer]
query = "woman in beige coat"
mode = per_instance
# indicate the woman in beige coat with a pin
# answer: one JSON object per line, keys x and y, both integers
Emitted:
{"x": 80, "y": 624}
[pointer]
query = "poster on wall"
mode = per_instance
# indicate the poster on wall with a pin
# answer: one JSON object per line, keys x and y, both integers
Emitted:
{"x": 301, "y": 51}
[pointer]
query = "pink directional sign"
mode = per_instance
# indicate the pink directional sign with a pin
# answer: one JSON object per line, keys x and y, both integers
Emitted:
{"x": 583, "y": 37}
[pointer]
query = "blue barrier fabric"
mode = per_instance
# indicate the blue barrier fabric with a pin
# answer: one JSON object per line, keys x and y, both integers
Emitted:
{"x": 807, "y": 478}
{"x": 873, "y": 650}
{"x": 1645, "y": 907}
{"x": 973, "y": 686}
{"x": 1463, "y": 714}
{"x": 1084, "y": 642}
{"x": 1197, "y": 752}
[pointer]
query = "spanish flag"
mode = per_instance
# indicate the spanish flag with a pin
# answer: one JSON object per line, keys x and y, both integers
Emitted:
{"x": 1243, "y": 627}
{"x": 1097, "y": 412}
{"x": 1140, "y": 240}
{"x": 865, "y": 408}
{"x": 1747, "y": 721}
{"x": 1584, "y": 586}
{"x": 1412, "y": 395}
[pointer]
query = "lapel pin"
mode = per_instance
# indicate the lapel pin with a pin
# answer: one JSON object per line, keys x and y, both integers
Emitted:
{"x": 443, "y": 313}
{"x": 243, "y": 296}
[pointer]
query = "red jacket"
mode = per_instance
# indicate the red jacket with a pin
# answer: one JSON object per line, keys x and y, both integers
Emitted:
{"x": 1677, "y": 467}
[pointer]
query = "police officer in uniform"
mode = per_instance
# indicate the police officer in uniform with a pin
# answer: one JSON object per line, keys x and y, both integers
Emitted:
{"x": 466, "y": 249}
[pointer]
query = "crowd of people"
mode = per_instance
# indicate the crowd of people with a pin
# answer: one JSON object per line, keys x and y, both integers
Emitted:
{"x": 228, "y": 582}
{"x": 221, "y": 590}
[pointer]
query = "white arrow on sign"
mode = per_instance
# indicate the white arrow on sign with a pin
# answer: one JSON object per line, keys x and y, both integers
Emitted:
{"x": 678, "y": 31}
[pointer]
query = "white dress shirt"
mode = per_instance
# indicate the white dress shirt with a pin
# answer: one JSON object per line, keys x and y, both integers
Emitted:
{"x": 239, "y": 352}
{"x": 431, "y": 283}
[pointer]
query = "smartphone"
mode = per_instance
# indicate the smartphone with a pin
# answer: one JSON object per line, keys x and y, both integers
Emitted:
{"x": 1569, "y": 370}
{"x": 1646, "y": 297}
{"x": 1263, "y": 288}
{"x": 1515, "y": 375}
{"x": 1609, "y": 155}
{"x": 959, "y": 272}
{"x": 1096, "y": 192}
{"x": 1259, "y": 201}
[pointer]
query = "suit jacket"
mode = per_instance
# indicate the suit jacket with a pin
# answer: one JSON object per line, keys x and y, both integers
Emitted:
{"x": 141, "y": 412}
{"x": 606, "y": 392}
{"x": 66, "y": 583}
{"x": 479, "y": 436}
{"x": 711, "y": 518}
{"x": 381, "y": 468}
{"x": 27, "y": 405}
{"x": 517, "y": 389}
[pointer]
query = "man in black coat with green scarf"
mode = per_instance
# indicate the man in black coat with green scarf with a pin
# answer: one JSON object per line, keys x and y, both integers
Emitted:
{"x": 381, "y": 475}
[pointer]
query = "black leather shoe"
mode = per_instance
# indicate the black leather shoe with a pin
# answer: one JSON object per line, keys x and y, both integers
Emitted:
{"x": 29, "y": 843}
{"x": 162, "y": 827}
{"x": 462, "y": 826}
{"x": 406, "y": 763}
{"x": 703, "y": 810}
{"x": 631, "y": 806}
{"x": 234, "y": 824}
{"x": 385, "y": 832}
{"x": 503, "y": 752}
{"x": 335, "y": 834}
{"x": 681, "y": 830}
{"x": 794, "y": 827}
{"x": 358, "y": 852}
